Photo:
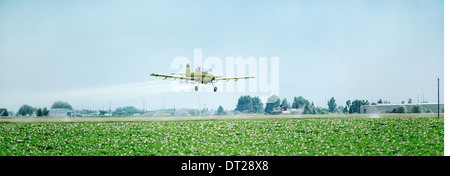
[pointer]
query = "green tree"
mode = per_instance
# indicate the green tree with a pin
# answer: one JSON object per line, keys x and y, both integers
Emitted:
{"x": 313, "y": 108}
{"x": 127, "y": 110}
{"x": 258, "y": 106}
{"x": 300, "y": 102}
{"x": 45, "y": 112}
{"x": 322, "y": 110}
{"x": 332, "y": 105}
{"x": 380, "y": 101}
{"x": 350, "y": 109}
{"x": 61, "y": 104}
{"x": 272, "y": 102}
{"x": 4, "y": 112}
{"x": 416, "y": 109}
{"x": 245, "y": 104}
{"x": 410, "y": 101}
{"x": 25, "y": 110}
{"x": 39, "y": 112}
{"x": 401, "y": 109}
{"x": 341, "y": 109}
{"x": 356, "y": 105}
{"x": 285, "y": 103}
{"x": 220, "y": 111}
{"x": 102, "y": 112}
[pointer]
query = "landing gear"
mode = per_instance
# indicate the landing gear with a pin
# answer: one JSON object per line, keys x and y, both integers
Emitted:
{"x": 215, "y": 89}
{"x": 196, "y": 88}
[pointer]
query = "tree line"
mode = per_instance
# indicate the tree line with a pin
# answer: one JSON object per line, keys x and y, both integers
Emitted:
{"x": 248, "y": 104}
{"x": 27, "y": 110}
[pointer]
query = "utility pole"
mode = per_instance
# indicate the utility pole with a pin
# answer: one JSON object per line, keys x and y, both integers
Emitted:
{"x": 438, "y": 97}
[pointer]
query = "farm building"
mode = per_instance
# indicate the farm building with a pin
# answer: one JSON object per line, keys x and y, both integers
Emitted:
{"x": 389, "y": 108}
{"x": 285, "y": 111}
{"x": 60, "y": 112}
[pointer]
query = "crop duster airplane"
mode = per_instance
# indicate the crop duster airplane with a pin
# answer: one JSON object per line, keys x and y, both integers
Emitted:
{"x": 199, "y": 76}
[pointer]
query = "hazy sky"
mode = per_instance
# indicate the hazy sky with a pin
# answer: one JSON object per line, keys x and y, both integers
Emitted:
{"x": 90, "y": 52}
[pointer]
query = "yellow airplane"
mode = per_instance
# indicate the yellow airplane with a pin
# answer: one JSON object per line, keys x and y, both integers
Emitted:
{"x": 199, "y": 76}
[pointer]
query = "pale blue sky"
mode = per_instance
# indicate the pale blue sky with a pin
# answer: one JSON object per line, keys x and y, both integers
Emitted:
{"x": 348, "y": 49}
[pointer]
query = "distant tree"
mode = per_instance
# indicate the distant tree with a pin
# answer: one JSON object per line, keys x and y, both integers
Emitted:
{"x": 258, "y": 106}
{"x": 340, "y": 109}
{"x": 300, "y": 102}
{"x": 272, "y": 102}
{"x": 313, "y": 108}
{"x": 401, "y": 109}
{"x": 220, "y": 111}
{"x": 90, "y": 111}
{"x": 332, "y": 105}
{"x": 4, "y": 112}
{"x": 285, "y": 103}
{"x": 61, "y": 104}
{"x": 345, "y": 110}
{"x": 193, "y": 111}
{"x": 410, "y": 101}
{"x": 403, "y": 102}
{"x": 127, "y": 110}
{"x": 245, "y": 104}
{"x": 380, "y": 101}
{"x": 45, "y": 112}
{"x": 322, "y": 110}
{"x": 428, "y": 110}
{"x": 416, "y": 109}
{"x": 356, "y": 105}
{"x": 350, "y": 109}
{"x": 25, "y": 110}
{"x": 102, "y": 112}
{"x": 39, "y": 112}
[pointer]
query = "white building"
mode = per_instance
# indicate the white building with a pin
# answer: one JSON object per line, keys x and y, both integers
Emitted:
{"x": 389, "y": 108}
{"x": 60, "y": 112}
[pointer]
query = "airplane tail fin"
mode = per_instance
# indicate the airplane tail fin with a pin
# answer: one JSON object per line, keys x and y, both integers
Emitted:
{"x": 188, "y": 70}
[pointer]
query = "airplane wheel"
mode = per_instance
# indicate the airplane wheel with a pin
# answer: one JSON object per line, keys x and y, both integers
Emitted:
{"x": 215, "y": 89}
{"x": 196, "y": 88}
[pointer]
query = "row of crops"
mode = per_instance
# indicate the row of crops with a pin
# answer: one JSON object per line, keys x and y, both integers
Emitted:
{"x": 267, "y": 137}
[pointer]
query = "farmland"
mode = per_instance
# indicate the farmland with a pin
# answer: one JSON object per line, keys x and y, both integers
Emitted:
{"x": 254, "y": 135}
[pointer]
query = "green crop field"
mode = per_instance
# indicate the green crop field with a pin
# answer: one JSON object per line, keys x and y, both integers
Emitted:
{"x": 255, "y": 135}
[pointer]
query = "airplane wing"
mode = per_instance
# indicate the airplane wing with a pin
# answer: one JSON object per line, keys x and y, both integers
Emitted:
{"x": 235, "y": 78}
{"x": 172, "y": 76}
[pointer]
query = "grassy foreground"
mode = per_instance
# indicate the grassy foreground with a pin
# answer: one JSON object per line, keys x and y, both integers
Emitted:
{"x": 268, "y": 137}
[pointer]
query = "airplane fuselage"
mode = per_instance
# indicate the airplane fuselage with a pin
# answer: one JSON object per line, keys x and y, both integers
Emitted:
{"x": 203, "y": 78}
